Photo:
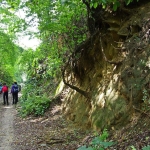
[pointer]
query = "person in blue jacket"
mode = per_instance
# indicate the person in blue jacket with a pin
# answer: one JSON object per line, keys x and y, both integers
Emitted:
{"x": 15, "y": 90}
{"x": 1, "y": 88}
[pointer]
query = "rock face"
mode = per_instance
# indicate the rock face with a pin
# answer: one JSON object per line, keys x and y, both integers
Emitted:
{"x": 113, "y": 68}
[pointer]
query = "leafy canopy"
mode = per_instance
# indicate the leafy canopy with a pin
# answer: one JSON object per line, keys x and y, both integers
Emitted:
{"x": 105, "y": 3}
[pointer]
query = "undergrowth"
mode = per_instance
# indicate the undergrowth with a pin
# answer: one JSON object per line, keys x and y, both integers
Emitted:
{"x": 34, "y": 100}
{"x": 99, "y": 142}
{"x": 35, "y": 105}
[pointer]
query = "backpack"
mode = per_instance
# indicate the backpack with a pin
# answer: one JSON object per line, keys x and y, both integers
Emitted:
{"x": 5, "y": 89}
{"x": 15, "y": 88}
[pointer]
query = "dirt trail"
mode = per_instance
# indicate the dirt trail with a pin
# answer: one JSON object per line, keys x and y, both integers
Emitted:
{"x": 7, "y": 114}
{"x": 50, "y": 132}
{"x": 53, "y": 132}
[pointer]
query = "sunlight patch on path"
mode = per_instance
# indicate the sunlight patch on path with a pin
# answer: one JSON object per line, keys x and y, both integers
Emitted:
{"x": 6, "y": 127}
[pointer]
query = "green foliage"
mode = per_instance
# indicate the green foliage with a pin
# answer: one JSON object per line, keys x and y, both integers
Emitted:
{"x": 34, "y": 105}
{"x": 146, "y": 99}
{"x": 105, "y": 3}
{"x": 38, "y": 66}
{"x": 104, "y": 135}
{"x": 62, "y": 27}
{"x": 6, "y": 76}
{"x": 98, "y": 143}
{"x": 9, "y": 54}
{"x": 35, "y": 98}
{"x": 7, "y": 50}
{"x": 146, "y": 147}
{"x": 33, "y": 102}
{"x": 132, "y": 147}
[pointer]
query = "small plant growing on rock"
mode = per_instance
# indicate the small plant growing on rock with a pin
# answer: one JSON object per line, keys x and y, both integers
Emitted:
{"x": 146, "y": 99}
{"x": 98, "y": 143}
{"x": 146, "y": 96}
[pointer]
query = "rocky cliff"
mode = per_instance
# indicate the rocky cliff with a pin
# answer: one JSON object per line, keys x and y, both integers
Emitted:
{"x": 112, "y": 68}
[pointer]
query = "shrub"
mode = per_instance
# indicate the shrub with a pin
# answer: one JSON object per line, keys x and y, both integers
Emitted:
{"x": 35, "y": 105}
{"x": 98, "y": 143}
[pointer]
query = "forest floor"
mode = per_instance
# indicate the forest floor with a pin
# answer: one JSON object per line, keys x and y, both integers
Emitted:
{"x": 54, "y": 132}
{"x": 50, "y": 132}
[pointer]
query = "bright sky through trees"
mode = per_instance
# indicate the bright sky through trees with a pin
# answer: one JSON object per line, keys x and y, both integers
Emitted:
{"x": 26, "y": 41}
{"x": 24, "y": 38}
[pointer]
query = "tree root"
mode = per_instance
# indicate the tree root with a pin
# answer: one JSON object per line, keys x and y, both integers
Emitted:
{"x": 111, "y": 62}
{"x": 142, "y": 112}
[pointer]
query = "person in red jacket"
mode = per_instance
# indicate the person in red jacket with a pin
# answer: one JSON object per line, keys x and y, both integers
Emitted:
{"x": 5, "y": 93}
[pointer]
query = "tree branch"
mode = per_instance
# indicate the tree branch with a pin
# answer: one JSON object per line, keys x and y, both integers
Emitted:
{"x": 84, "y": 93}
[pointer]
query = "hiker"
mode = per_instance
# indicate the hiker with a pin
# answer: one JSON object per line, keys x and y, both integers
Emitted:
{"x": 12, "y": 94}
{"x": 5, "y": 93}
{"x": 0, "y": 88}
{"x": 15, "y": 91}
